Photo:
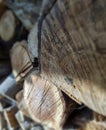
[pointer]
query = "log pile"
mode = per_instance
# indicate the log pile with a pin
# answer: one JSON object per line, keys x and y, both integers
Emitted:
{"x": 52, "y": 65}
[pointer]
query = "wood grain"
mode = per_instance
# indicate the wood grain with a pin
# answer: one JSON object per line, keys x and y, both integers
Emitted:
{"x": 20, "y": 60}
{"x": 45, "y": 102}
{"x": 73, "y": 50}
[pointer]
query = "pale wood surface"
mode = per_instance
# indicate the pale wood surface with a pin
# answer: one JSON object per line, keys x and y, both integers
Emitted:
{"x": 45, "y": 102}
{"x": 7, "y": 25}
{"x": 20, "y": 60}
{"x": 73, "y": 50}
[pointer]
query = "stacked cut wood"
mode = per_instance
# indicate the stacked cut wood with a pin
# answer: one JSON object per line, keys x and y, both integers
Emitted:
{"x": 52, "y": 65}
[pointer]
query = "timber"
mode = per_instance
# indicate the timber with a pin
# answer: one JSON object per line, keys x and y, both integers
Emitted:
{"x": 21, "y": 103}
{"x": 73, "y": 51}
{"x": 27, "y": 11}
{"x": 51, "y": 108}
{"x": 7, "y": 25}
{"x": 58, "y": 61}
{"x": 11, "y": 29}
{"x": 33, "y": 42}
{"x": 19, "y": 52}
{"x": 9, "y": 114}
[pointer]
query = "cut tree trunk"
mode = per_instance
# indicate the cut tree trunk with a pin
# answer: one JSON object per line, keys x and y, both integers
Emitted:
{"x": 27, "y": 11}
{"x": 33, "y": 42}
{"x": 20, "y": 60}
{"x": 9, "y": 114}
{"x": 21, "y": 103}
{"x": 9, "y": 87}
{"x": 73, "y": 50}
{"x": 11, "y": 30}
{"x": 45, "y": 102}
{"x": 7, "y": 25}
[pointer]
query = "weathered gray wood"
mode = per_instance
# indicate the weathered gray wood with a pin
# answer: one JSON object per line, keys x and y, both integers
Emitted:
{"x": 27, "y": 11}
{"x": 73, "y": 50}
{"x": 11, "y": 30}
{"x": 33, "y": 42}
{"x": 8, "y": 85}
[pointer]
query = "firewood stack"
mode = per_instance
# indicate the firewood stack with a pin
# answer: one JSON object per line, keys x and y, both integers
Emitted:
{"x": 36, "y": 91}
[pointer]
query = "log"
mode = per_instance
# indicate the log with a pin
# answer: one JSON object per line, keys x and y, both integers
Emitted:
{"x": 27, "y": 11}
{"x": 20, "y": 118}
{"x": 7, "y": 25}
{"x": 7, "y": 80}
{"x": 9, "y": 87}
{"x": 21, "y": 103}
{"x": 33, "y": 42}
{"x": 73, "y": 51}
{"x": 19, "y": 52}
{"x": 11, "y": 30}
{"x": 9, "y": 114}
{"x": 45, "y": 102}
{"x": 24, "y": 123}
{"x": 2, "y": 120}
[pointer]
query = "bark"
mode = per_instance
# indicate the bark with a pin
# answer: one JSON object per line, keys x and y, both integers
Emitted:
{"x": 9, "y": 87}
{"x": 51, "y": 107}
{"x": 33, "y": 42}
{"x": 73, "y": 50}
{"x": 27, "y": 11}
